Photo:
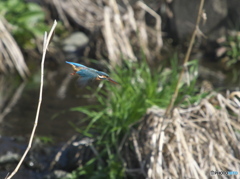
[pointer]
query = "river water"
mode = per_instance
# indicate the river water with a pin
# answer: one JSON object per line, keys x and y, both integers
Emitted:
{"x": 60, "y": 94}
{"x": 18, "y": 106}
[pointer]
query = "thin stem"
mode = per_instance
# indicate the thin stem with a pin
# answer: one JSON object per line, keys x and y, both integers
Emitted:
{"x": 186, "y": 59}
{"x": 46, "y": 42}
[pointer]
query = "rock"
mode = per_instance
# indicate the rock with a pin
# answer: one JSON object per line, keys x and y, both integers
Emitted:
{"x": 10, "y": 151}
{"x": 74, "y": 153}
{"x": 75, "y": 41}
{"x": 56, "y": 174}
{"x": 9, "y": 157}
{"x": 234, "y": 13}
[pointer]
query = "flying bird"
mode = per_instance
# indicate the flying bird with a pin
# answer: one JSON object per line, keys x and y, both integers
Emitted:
{"x": 89, "y": 74}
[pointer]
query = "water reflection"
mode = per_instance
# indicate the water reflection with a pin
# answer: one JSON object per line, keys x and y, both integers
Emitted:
{"x": 8, "y": 101}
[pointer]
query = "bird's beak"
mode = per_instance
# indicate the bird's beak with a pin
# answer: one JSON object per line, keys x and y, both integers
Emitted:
{"x": 112, "y": 81}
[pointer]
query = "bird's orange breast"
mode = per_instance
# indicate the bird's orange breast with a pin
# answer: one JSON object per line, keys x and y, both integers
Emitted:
{"x": 76, "y": 68}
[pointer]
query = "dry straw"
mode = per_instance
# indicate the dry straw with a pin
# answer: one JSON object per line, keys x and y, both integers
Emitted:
{"x": 10, "y": 55}
{"x": 193, "y": 142}
{"x": 123, "y": 28}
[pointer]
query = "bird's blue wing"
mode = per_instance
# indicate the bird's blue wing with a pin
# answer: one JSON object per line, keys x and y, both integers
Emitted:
{"x": 87, "y": 73}
{"x": 76, "y": 64}
{"x": 83, "y": 81}
{"x": 98, "y": 72}
{"x": 86, "y": 76}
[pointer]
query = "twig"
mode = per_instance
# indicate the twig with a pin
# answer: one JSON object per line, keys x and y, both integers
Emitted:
{"x": 46, "y": 42}
{"x": 196, "y": 30}
{"x": 138, "y": 153}
{"x": 13, "y": 101}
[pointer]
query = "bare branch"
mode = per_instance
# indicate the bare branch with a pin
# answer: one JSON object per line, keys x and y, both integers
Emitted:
{"x": 186, "y": 59}
{"x": 45, "y": 45}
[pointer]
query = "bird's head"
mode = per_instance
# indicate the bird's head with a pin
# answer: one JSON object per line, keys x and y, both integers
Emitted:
{"x": 102, "y": 77}
{"x": 106, "y": 77}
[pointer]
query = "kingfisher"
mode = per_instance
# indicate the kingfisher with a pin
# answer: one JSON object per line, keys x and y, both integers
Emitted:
{"x": 89, "y": 74}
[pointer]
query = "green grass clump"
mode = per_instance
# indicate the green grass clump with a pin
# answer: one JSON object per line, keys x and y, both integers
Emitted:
{"x": 233, "y": 49}
{"x": 122, "y": 105}
{"x": 230, "y": 57}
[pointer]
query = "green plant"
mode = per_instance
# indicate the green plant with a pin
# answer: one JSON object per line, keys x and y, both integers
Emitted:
{"x": 45, "y": 139}
{"x": 26, "y": 19}
{"x": 229, "y": 52}
{"x": 231, "y": 46}
{"x": 233, "y": 49}
{"x": 122, "y": 105}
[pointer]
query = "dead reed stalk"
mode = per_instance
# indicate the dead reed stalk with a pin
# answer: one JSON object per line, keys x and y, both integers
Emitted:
{"x": 123, "y": 28}
{"x": 46, "y": 41}
{"x": 186, "y": 59}
{"x": 10, "y": 56}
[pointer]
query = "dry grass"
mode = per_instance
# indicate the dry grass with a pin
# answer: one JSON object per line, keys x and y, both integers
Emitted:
{"x": 193, "y": 142}
{"x": 11, "y": 56}
{"x": 122, "y": 27}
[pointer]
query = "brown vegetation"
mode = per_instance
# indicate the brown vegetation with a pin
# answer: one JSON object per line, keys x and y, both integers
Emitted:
{"x": 11, "y": 56}
{"x": 190, "y": 144}
{"x": 123, "y": 28}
